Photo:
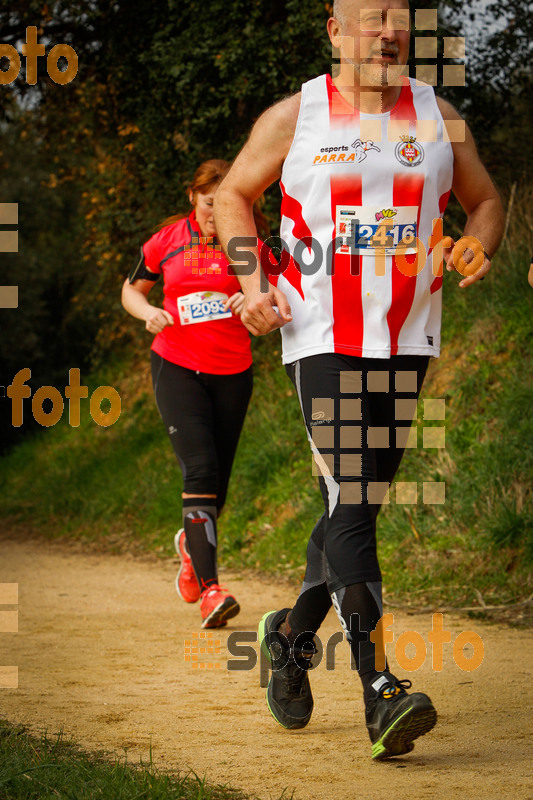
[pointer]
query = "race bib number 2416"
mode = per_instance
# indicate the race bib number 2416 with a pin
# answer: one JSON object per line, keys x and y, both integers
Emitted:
{"x": 365, "y": 229}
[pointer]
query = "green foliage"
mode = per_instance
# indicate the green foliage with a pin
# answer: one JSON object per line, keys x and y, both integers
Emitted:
{"x": 498, "y": 91}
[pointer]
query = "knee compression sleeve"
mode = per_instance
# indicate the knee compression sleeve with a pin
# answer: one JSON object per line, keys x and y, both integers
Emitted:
{"x": 200, "y": 524}
{"x": 359, "y": 608}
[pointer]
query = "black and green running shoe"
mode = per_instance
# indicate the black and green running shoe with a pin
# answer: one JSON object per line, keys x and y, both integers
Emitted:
{"x": 288, "y": 693}
{"x": 395, "y": 719}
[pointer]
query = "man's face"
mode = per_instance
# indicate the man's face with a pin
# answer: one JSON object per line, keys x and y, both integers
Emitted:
{"x": 374, "y": 36}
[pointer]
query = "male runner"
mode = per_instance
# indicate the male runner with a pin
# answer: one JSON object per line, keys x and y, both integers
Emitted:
{"x": 365, "y": 165}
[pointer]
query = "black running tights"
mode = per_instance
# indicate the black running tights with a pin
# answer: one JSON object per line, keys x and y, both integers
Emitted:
{"x": 203, "y": 414}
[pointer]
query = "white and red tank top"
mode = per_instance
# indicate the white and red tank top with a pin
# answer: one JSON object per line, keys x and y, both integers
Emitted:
{"x": 345, "y": 176}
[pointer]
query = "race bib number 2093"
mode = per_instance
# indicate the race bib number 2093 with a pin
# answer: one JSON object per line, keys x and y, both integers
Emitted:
{"x": 202, "y": 307}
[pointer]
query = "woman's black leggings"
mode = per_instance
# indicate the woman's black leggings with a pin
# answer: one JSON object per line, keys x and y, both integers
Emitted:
{"x": 203, "y": 414}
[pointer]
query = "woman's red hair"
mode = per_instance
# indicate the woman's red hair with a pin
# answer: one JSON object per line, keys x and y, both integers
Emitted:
{"x": 208, "y": 176}
{"x": 206, "y": 179}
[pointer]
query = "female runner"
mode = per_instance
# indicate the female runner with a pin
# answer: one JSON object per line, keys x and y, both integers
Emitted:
{"x": 201, "y": 374}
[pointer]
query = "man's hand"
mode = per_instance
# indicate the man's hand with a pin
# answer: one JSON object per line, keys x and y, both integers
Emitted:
{"x": 468, "y": 258}
{"x": 259, "y": 314}
{"x": 157, "y": 319}
{"x": 477, "y": 195}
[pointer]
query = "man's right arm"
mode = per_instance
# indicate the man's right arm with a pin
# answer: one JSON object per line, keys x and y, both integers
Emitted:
{"x": 257, "y": 166}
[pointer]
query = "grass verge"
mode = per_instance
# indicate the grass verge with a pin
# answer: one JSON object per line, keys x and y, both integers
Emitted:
{"x": 34, "y": 768}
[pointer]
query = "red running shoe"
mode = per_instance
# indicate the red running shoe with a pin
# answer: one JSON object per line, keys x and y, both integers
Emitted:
{"x": 217, "y": 606}
{"x": 186, "y": 584}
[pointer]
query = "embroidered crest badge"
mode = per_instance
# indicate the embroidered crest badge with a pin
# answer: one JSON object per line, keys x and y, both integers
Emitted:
{"x": 409, "y": 152}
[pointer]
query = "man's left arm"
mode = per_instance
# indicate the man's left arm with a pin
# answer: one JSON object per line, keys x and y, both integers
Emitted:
{"x": 477, "y": 195}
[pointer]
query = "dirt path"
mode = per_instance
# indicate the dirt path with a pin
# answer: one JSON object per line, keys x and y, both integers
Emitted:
{"x": 101, "y": 654}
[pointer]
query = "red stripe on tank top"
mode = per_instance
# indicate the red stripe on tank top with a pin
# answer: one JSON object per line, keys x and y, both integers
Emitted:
{"x": 348, "y": 323}
{"x": 340, "y": 110}
{"x": 405, "y": 107}
{"x": 292, "y": 209}
{"x": 407, "y": 191}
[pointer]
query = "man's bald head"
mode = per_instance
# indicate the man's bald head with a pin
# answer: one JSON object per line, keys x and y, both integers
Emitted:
{"x": 339, "y": 11}
{"x": 342, "y": 8}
